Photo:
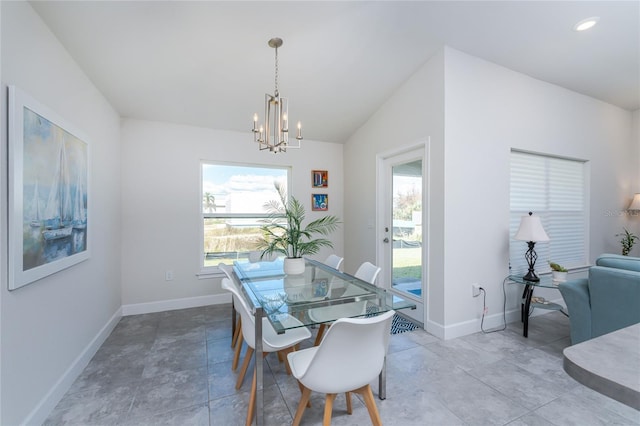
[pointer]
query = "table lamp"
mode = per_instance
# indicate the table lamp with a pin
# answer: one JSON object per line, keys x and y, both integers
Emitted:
{"x": 531, "y": 231}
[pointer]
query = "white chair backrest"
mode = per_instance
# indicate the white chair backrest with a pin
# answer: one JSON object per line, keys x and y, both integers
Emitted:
{"x": 351, "y": 354}
{"x": 334, "y": 261}
{"x": 248, "y": 320}
{"x": 228, "y": 271}
{"x": 368, "y": 272}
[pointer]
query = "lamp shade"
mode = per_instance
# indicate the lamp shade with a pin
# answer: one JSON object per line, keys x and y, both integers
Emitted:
{"x": 531, "y": 229}
{"x": 635, "y": 203}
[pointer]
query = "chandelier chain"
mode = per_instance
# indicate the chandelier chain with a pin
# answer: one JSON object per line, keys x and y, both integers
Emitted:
{"x": 276, "y": 92}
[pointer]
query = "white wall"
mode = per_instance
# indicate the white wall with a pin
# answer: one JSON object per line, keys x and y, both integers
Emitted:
{"x": 161, "y": 204}
{"x": 486, "y": 110}
{"x": 489, "y": 110}
{"x": 50, "y": 327}
{"x": 414, "y": 113}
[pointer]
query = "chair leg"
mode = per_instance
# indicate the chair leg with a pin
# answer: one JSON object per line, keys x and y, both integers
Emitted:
{"x": 349, "y": 406}
{"x": 370, "y": 403}
{"x": 252, "y": 400}
{"x": 283, "y": 353}
{"x": 323, "y": 326}
{"x": 236, "y": 355}
{"x": 328, "y": 409}
{"x": 234, "y": 339}
{"x": 245, "y": 365}
{"x": 304, "y": 399}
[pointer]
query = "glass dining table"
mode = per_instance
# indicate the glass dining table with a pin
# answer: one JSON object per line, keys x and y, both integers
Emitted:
{"x": 276, "y": 296}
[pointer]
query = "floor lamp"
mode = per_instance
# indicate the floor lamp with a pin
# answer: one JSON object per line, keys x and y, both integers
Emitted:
{"x": 531, "y": 231}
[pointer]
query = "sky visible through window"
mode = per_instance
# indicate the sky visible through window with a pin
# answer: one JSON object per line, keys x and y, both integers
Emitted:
{"x": 241, "y": 189}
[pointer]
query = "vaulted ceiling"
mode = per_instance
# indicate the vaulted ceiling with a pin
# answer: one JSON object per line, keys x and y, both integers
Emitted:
{"x": 208, "y": 64}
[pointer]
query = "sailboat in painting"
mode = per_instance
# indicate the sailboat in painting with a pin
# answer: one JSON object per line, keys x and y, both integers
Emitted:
{"x": 36, "y": 220}
{"x": 79, "y": 212}
{"x": 58, "y": 213}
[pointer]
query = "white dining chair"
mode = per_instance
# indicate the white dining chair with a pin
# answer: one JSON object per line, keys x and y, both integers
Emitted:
{"x": 366, "y": 272}
{"x": 236, "y": 330}
{"x": 333, "y": 261}
{"x": 271, "y": 341}
{"x": 350, "y": 357}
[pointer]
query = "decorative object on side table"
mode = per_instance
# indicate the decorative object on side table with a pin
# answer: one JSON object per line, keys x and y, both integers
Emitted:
{"x": 627, "y": 241}
{"x": 558, "y": 272}
{"x": 531, "y": 231}
{"x": 635, "y": 204}
{"x": 283, "y": 232}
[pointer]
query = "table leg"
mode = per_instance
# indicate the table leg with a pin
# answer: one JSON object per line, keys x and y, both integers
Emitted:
{"x": 382, "y": 381}
{"x": 527, "y": 304}
{"x": 522, "y": 311}
{"x": 233, "y": 320}
{"x": 259, "y": 366}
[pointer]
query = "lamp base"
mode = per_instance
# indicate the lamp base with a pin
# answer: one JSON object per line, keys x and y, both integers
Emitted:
{"x": 531, "y": 257}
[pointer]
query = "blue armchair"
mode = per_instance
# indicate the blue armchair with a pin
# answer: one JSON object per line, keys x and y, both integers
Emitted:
{"x": 607, "y": 301}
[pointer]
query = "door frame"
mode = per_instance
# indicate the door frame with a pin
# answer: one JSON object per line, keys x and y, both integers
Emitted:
{"x": 381, "y": 253}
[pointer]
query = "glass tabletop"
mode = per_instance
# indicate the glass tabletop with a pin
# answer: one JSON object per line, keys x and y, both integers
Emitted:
{"x": 546, "y": 281}
{"x": 281, "y": 296}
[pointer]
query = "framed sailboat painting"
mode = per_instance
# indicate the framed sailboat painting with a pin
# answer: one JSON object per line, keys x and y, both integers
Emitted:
{"x": 48, "y": 192}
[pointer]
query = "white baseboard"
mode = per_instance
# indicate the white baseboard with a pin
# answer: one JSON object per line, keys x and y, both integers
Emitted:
{"x": 173, "y": 304}
{"x": 473, "y": 326}
{"x": 55, "y": 394}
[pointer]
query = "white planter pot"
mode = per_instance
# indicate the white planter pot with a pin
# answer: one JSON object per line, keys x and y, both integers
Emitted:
{"x": 293, "y": 265}
{"x": 559, "y": 277}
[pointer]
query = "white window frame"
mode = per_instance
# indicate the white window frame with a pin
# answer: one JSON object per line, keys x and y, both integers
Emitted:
{"x": 542, "y": 205}
{"x": 214, "y": 271}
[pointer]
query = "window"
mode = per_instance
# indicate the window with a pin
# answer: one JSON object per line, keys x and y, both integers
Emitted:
{"x": 554, "y": 189}
{"x": 233, "y": 199}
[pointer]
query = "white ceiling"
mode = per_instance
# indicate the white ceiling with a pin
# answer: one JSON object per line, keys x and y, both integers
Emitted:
{"x": 208, "y": 64}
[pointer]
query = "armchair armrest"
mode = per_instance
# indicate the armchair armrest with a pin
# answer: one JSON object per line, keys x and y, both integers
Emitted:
{"x": 576, "y": 296}
{"x": 615, "y": 299}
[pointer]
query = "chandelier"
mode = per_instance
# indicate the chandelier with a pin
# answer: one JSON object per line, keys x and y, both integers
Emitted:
{"x": 274, "y": 134}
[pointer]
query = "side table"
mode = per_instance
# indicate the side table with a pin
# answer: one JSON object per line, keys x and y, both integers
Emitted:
{"x": 525, "y": 306}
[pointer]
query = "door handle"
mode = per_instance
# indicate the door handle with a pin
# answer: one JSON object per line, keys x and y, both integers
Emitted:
{"x": 386, "y": 240}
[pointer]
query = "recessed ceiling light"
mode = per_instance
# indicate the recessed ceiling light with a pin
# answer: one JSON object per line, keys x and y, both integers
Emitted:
{"x": 585, "y": 24}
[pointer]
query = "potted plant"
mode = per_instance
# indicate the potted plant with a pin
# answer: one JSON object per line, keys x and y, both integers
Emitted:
{"x": 558, "y": 272}
{"x": 628, "y": 240}
{"x": 283, "y": 232}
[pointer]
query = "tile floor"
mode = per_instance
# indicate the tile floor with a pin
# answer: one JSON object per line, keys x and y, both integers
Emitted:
{"x": 173, "y": 368}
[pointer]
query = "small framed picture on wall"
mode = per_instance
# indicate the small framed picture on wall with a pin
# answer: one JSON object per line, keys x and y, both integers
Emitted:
{"x": 319, "y": 202}
{"x": 319, "y": 178}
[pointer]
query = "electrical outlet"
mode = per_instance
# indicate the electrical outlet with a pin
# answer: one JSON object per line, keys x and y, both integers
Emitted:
{"x": 475, "y": 289}
{"x": 168, "y": 275}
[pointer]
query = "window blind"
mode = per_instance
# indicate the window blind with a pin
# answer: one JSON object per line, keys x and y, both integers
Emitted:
{"x": 554, "y": 189}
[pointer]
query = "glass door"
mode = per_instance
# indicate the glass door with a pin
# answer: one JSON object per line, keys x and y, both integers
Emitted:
{"x": 404, "y": 230}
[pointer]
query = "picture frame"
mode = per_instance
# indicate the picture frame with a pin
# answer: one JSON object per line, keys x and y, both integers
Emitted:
{"x": 319, "y": 202}
{"x": 49, "y": 192}
{"x": 319, "y": 179}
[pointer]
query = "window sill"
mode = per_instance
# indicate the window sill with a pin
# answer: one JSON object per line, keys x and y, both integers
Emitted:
{"x": 210, "y": 274}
